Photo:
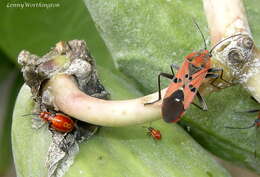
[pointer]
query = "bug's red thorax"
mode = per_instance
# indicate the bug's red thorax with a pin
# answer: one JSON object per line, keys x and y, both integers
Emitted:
{"x": 198, "y": 59}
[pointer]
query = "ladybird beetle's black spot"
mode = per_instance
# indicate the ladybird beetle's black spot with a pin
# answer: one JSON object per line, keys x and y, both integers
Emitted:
{"x": 186, "y": 75}
{"x": 190, "y": 78}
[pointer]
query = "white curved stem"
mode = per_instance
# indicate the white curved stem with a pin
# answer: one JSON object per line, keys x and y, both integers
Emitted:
{"x": 226, "y": 18}
{"x": 75, "y": 103}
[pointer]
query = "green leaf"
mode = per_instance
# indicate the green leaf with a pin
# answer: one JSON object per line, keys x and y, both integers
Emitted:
{"x": 227, "y": 109}
{"x": 13, "y": 84}
{"x": 125, "y": 151}
{"x": 118, "y": 84}
{"x": 253, "y": 18}
{"x": 146, "y": 37}
{"x": 38, "y": 29}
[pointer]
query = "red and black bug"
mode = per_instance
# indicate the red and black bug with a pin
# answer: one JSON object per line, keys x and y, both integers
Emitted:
{"x": 156, "y": 134}
{"x": 181, "y": 92}
{"x": 57, "y": 121}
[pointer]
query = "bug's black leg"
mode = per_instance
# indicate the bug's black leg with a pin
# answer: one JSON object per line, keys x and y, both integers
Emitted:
{"x": 210, "y": 75}
{"x": 219, "y": 76}
{"x": 253, "y": 111}
{"x": 53, "y": 132}
{"x": 166, "y": 75}
{"x": 51, "y": 129}
{"x": 174, "y": 66}
{"x": 250, "y": 126}
{"x": 254, "y": 99}
{"x": 204, "y": 106}
{"x": 213, "y": 70}
{"x": 249, "y": 111}
{"x": 63, "y": 144}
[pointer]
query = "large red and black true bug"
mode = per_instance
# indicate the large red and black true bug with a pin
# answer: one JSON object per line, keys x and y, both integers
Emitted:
{"x": 156, "y": 134}
{"x": 181, "y": 92}
{"x": 57, "y": 121}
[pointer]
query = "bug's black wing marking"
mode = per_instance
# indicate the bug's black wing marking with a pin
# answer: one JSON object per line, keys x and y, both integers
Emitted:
{"x": 173, "y": 106}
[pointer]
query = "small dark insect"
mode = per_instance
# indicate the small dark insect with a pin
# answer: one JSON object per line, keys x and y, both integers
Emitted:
{"x": 57, "y": 121}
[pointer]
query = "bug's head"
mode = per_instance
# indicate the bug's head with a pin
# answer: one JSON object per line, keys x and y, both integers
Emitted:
{"x": 257, "y": 122}
{"x": 199, "y": 59}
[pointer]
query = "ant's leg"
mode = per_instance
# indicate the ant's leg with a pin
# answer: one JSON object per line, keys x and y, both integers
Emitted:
{"x": 51, "y": 129}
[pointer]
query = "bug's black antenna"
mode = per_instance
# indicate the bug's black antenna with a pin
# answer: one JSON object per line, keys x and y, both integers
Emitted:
{"x": 250, "y": 111}
{"x": 223, "y": 41}
{"x": 253, "y": 125}
{"x": 204, "y": 40}
{"x": 30, "y": 115}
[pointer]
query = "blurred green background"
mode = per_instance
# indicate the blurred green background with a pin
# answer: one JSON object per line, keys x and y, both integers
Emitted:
{"x": 38, "y": 29}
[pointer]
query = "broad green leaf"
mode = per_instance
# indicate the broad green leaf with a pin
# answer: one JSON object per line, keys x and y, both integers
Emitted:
{"x": 12, "y": 85}
{"x": 227, "y": 109}
{"x": 125, "y": 151}
{"x": 38, "y": 29}
{"x": 146, "y": 37}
